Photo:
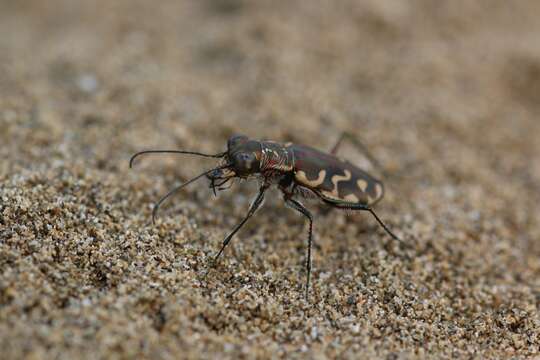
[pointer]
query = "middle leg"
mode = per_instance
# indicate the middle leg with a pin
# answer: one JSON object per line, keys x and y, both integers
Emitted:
{"x": 296, "y": 205}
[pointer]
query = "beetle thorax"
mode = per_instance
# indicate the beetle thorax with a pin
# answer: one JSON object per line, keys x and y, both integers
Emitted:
{"x": 276, "y": 157}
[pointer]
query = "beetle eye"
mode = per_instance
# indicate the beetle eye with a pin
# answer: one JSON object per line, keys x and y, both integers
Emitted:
{"x": 235, "y": 140}
{"x": 245, "y": 162}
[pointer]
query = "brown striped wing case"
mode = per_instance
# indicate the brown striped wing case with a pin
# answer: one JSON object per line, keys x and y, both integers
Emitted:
{"x": 333, "y": 179}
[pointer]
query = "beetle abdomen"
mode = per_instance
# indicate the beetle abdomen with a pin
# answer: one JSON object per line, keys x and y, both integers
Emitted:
{"x": 333, "y": 179}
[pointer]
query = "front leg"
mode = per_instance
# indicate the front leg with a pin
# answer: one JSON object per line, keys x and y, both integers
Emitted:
{"x": 254, "y": 206}
{"x": 296, "y": 205}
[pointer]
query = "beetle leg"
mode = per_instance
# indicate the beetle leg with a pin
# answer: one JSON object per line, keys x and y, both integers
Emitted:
{"x": 366, "y": 208}
{"x": 335, "y": 148}
{"x": 254, "y": 206}
{"x": 360, "y": 146}
{"x": 296, "y": 205}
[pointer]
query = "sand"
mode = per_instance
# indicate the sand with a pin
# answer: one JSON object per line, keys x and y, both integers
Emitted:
{"x": 445, "y": 94}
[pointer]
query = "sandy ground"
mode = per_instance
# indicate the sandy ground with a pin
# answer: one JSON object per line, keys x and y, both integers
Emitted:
{"x": 445, "y": 94}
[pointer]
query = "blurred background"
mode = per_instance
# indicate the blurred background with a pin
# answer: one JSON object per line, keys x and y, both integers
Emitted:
{"x": 445, "y": 94}
{"x": 99, "y": 79}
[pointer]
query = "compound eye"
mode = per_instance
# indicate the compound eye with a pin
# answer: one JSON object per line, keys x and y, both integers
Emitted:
{"x": 245, "y": 162}
{"x": 236, "y": 140}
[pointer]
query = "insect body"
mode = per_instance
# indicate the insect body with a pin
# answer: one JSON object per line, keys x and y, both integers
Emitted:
{"x": 296, "y": 170}
{"x": 334, "y": 180}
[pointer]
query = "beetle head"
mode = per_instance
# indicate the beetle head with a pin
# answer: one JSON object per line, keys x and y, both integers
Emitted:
{"x": 244, "y": 155}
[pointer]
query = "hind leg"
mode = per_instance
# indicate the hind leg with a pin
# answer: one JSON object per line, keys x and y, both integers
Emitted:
{"x": 365, "y": 208}
{"x": 296, "y": 205}
{"x": 360, "y": 146}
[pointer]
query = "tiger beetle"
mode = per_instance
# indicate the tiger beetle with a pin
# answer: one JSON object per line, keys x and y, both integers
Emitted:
{"x": 298, "y": 171}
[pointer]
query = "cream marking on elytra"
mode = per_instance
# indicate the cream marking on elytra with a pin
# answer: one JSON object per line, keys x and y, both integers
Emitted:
{"x": 302, "y": 178}
{"x": 330, "y": 195}
{"x": 378, "y": 191}
{"x": 378, "y": 194}
{"x": 336, "y": 179}
{"x": 351, "y": 198}
{"x": 362, "y": 184}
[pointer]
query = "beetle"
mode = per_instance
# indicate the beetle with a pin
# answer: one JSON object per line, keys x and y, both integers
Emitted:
{"x": 297, "y": 170}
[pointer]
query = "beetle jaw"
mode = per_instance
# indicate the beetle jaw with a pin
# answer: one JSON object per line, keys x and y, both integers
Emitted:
{"x": 222, "y": 174}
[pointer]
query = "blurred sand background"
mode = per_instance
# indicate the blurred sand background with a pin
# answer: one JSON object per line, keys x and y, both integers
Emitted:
{"x": 445, "y": 94}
